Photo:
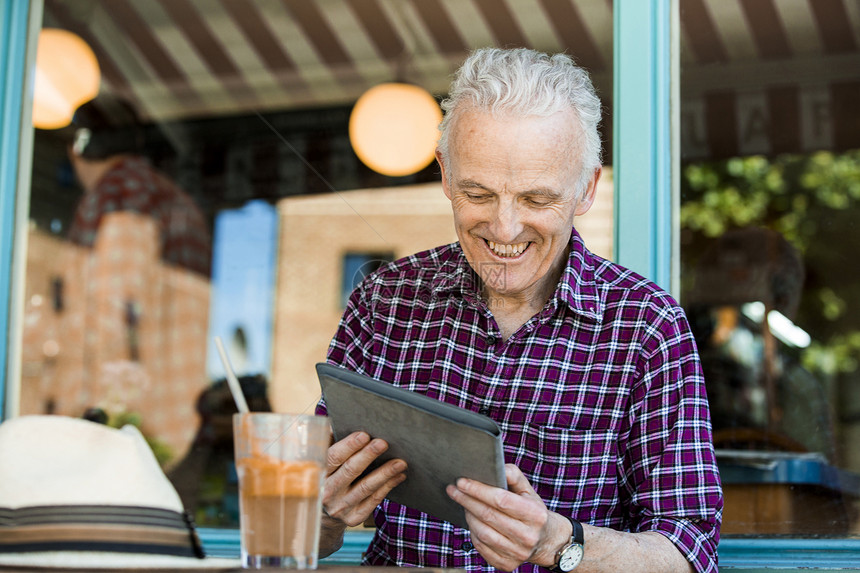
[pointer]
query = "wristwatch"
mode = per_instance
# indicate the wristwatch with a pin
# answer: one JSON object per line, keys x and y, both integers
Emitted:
{"x": 570, "y": 555}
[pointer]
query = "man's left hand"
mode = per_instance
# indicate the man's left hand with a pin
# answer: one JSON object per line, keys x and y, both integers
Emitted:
{"x": 510, "y": 527}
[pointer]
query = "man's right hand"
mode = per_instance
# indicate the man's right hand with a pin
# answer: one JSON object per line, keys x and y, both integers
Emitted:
{"x": 346, "y": 500}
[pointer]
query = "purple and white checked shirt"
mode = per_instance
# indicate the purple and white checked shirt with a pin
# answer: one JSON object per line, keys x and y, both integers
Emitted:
{"x": 600, "y": 398}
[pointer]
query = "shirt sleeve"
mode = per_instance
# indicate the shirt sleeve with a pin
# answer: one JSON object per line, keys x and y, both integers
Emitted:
{"x": 670, "y": 466}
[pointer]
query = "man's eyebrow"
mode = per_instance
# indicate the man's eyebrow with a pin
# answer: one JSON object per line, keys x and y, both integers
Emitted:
{"x": 472, "y": 184}
{"x": 547, "y": 192}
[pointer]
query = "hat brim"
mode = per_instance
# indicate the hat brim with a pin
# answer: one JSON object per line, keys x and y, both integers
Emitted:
{"x": 106, "y": 561}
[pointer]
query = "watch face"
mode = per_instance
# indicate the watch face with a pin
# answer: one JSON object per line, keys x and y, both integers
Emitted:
{"x": 570, "y": 558}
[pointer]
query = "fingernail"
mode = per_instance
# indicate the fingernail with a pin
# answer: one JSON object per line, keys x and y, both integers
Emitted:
{"x": 399, "y": 465}
{"x": 378, "y": 446}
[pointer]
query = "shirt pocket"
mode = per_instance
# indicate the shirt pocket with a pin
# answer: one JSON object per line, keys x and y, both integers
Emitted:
{"x": 571, "y": 468}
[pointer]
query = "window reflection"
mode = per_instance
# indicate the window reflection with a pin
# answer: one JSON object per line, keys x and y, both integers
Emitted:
{"x": 768, "y": 230}
{"x": 248, "y": 101}
{"x": 205, "y": 477}
{"x": 243, "y": 105}
{"x": 356, "y": 266}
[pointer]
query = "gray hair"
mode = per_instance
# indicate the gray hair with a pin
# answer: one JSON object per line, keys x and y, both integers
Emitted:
{"x": 529, "y": 83}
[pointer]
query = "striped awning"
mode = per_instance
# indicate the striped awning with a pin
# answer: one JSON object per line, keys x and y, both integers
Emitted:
{"x": 763, "y": 62}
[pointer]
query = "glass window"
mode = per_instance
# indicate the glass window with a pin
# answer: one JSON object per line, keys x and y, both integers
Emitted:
{"x": 770, "y": 183}
{"x": 211, "y": 190}
{"x": 356, "y": 266}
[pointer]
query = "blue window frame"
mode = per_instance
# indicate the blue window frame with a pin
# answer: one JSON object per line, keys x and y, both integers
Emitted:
{"x": 14, "y": 32}
{"x": 643, "y": 138}
{"x": 647, "y": 200}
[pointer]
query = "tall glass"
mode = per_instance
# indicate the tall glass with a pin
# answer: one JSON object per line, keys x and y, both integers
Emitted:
{"x": 280, "y": 460}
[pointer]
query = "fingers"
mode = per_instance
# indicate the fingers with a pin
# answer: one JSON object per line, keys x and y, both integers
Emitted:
{"x": 517, "y": 482}
{"x": 358, "y": 504}
{"x": 500, "y": 515}
{"x": 341, "y": 451}
{"x": 503, "y": 551}
{"x": 352, "y": 500}
{"x": 493, "y": 504}
{"x": 507, "y": 527}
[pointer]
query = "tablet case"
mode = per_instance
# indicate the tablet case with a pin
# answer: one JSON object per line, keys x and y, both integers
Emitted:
{"x": 439, "y": 442}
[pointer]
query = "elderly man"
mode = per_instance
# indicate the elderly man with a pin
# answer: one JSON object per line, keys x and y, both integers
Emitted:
{"x": 589, "y": 369}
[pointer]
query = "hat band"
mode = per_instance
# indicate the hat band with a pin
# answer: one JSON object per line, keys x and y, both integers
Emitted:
{"x": 123, "y": 529}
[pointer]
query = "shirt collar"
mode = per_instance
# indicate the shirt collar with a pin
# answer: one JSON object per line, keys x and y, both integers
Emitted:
{"x": 457, "y": 276}
{"x": 577, "y": 287}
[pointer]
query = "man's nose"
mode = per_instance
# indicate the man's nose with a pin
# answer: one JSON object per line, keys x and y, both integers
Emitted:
{"x": 506, "y": 225}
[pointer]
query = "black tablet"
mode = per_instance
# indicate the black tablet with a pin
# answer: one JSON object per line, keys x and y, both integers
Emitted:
{"x": 439, "y": 442}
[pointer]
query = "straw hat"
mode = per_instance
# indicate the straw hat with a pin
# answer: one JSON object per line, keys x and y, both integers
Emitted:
{"x": 74, "y": 493}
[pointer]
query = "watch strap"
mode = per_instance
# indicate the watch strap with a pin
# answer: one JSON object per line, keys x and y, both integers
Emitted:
{"x": 578, "y": 532}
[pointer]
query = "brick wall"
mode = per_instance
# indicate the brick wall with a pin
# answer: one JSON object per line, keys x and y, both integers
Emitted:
{"x": 124, "y": 332}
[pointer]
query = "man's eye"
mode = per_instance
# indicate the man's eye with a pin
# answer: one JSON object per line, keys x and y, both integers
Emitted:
{"x": 538, "y": 201}
{"x": 476, "y": 196}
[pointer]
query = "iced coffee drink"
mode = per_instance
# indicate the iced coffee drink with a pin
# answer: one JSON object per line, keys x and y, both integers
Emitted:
{"x": 280, "y": 463}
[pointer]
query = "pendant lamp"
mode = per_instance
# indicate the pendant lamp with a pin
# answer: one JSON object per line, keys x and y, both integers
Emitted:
{"x": 393, "y": 128}
{"x": 67, "y": 75}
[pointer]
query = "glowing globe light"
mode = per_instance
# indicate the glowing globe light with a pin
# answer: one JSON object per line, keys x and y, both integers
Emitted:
{"x": 393, "y": 128}
{"x": 67, "y": 75}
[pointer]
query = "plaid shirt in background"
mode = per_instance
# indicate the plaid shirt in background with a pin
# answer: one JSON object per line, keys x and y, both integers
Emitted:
{"x": 600, "y": 398}
{"x": 132, "y": 184}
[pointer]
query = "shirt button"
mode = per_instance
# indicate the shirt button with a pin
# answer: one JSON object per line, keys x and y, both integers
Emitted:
{"x": 467, "y": 546}
{"x": 484, "y": 411}
{"x": 491, "y": 340}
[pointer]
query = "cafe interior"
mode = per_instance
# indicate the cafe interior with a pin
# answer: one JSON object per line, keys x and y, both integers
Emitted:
{"x": 305, "y": 131}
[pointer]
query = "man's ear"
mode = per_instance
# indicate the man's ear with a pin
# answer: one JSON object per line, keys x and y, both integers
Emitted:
{"x": 445, "y": 188}
{"x": 587, "y": 199}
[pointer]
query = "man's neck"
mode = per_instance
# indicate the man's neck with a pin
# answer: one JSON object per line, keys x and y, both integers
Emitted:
{"x": 513, "y": 311}
{"x": 511, "y": 315}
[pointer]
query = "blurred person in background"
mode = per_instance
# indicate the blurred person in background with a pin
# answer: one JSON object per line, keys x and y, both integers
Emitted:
{"x": 106, "y": 152}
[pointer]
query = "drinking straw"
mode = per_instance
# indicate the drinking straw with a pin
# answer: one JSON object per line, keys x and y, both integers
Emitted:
{"x": 232, "y": 381}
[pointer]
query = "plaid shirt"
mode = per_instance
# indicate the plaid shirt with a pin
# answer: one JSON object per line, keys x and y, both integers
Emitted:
{"x": 600, "y": 398}
{"x": 132, "y": 184}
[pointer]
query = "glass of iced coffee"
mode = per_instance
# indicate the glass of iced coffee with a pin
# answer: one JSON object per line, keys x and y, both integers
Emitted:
{"x": 280, "y": 460}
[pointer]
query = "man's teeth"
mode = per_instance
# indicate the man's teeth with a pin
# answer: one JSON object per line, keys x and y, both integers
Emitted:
{"x": 507, "y": 250}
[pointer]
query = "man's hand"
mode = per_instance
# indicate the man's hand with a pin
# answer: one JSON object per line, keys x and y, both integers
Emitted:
{"x": 351, "y": 501}
{"x": 347, "y": 500}
{"x": 510, "y": 527}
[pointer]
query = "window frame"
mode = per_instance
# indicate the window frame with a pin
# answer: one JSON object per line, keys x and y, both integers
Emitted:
{"x": 646, "y": 152}
{"x": 645, "y": 138}
{"x": 18, "y": 40}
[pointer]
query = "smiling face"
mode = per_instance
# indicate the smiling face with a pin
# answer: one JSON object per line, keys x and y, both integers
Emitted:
{"x": 512, "y": 185}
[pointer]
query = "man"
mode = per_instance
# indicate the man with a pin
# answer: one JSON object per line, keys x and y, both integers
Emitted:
{"x": 589, "y": 369}
{"x": 106, "y": 157}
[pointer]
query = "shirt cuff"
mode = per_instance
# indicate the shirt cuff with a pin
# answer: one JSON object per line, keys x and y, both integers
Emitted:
{"x": 696, "y": 540}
